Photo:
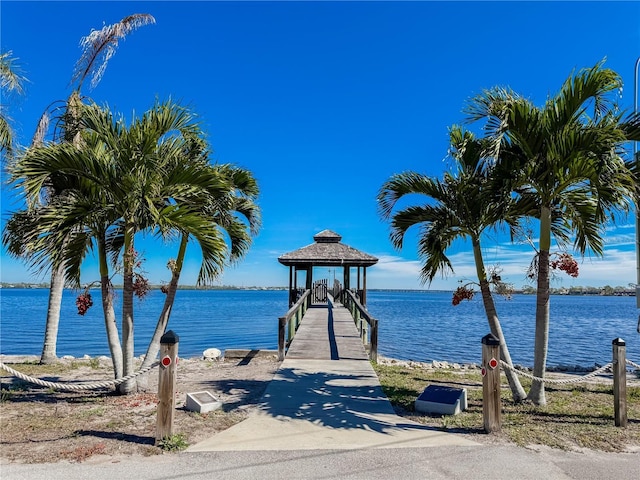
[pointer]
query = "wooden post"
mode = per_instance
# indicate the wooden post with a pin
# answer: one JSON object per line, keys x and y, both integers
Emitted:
{"x": 491, "y": 405}
{"x": 363, "y": 300}
{"x": 365, "y": 331}
{"x": 373, "y": 351}
{"x": 282, "y": 323}
{"x": 291, "y": 288}
{"x": 620, "y": 382}
{"x": 167, "y": 385}
{"x": 292, "y": 326}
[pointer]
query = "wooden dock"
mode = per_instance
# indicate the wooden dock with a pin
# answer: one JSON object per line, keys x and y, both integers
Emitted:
{"x": 327, "y": 332}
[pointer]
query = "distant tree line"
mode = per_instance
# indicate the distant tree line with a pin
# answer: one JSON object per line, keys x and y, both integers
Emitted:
{"x": 607, "y": 290}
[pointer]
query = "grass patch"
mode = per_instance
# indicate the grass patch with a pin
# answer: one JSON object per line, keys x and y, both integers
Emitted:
{"x": 576, "y": 415}
{"x": 93, "y": 412}
{"x": 174, "y": 443}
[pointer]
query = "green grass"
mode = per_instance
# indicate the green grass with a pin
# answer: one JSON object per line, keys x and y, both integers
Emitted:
{"x": 576, "y": 415}
{"x": 174, "y": 443}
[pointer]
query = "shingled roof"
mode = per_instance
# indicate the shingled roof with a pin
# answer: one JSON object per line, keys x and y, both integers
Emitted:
{"x": 327, "y": 251}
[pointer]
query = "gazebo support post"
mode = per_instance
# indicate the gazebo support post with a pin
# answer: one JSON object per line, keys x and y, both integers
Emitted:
{"x": 363, "y": 300}
{"x": 291, "y": 302}
{"x": 309, "y": 280}
{"x": 347, "y": 280}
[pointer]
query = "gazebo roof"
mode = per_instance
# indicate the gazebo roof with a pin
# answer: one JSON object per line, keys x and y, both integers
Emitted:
{"x": 327, "y": 251}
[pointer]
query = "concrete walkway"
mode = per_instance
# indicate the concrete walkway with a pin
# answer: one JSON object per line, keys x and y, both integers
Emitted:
{"x": 326, "y": 395}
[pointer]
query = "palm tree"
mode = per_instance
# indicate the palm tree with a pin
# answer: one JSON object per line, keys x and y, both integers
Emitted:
{"x": 229, "y": 204}
{"x": 566, "y": 158}
{"x": 159, "y": 180}
{"x": 98, "y": 47}
{"x": 128, "y": 179}
{"x": 459, "y": 208}
{"x": 11, "y": 80}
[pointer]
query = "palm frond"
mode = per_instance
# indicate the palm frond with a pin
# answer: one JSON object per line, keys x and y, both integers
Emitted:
{"x": 100, "y": 45}
{"x": 11, "y": 77}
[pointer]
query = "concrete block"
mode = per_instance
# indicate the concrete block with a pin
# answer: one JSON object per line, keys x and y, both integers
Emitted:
{"x": 442, "y": 400}
{"x": 202, "y": 402}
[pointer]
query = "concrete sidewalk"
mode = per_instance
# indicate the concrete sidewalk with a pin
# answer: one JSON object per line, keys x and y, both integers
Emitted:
{"x": 326, "y": 395}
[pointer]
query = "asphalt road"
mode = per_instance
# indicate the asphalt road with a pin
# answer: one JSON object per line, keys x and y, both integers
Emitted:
{"x": 434, "y": 463}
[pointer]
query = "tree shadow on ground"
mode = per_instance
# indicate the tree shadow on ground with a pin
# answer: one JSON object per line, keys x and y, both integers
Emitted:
{"x": 246, "y": 392}
{"x": 334, "y": 400}
{"x": 123, "y": 437}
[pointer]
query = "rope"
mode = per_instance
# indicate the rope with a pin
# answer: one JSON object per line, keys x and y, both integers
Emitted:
{"x": 633, "y": 364}
{"x": 77, "y": 386}
{"x": 558, "y": 382}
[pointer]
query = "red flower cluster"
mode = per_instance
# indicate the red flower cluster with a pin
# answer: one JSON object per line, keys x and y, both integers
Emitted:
{"x": 462, "y": 293}
{"x": 567, "y": 264}
{"x": 84, "y": 302}
{"x": 140, "y": 286}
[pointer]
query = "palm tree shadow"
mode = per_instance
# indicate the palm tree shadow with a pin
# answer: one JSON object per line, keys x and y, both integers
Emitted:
{"x": 246, "y": 392}
{"x": 340, "y": 401}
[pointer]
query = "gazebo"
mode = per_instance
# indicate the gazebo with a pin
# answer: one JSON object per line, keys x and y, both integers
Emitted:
{"x": 327, "y": 251}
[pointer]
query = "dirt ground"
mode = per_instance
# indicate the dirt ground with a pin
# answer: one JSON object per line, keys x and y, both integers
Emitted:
{"x": 38, "y": 424}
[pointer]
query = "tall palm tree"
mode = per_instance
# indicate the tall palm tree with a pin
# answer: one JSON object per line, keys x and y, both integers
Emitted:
{"x": 462, "y": 205}
{"x": 98, "y": 47}
{"x": 566, "y": 157}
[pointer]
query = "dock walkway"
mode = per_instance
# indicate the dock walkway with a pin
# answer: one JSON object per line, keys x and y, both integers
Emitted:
{"x": 326, "y": 395}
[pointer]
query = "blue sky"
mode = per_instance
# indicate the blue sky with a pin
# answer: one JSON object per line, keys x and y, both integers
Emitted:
{"x": 324, "y": 101}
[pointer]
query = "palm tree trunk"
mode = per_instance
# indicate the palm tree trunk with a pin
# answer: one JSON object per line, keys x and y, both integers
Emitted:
{"x": 537, "y": 393}
{"x": 56, "y": 289}
{"x": 163, "y": 320}
{"x": 109, "y": 313}
{"x": 517, "y": 391}
{"x": 111, "y": 327}
{"x": 127, "y": 314}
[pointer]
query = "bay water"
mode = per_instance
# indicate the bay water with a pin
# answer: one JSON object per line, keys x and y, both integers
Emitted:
{"x": 422, "y": 326}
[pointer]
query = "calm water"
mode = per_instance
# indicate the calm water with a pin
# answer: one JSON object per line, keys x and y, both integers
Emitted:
{"x": 413, "y": 325}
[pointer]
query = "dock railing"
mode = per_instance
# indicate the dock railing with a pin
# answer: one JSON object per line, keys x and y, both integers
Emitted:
{"x": 367, "y": 325}
{"x": 288, "y": 324}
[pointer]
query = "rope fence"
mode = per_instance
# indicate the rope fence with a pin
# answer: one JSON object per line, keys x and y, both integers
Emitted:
{"x": 634, "y": 365}
{"x": 76, "y": 387}
{"x": 567, "y": 381}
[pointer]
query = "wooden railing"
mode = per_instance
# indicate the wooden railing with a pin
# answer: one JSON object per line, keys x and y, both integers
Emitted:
{"x": 290, "y": 321}
{"x": 367, "y": 325}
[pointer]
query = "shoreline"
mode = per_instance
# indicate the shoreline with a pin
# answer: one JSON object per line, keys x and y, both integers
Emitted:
{"x": 238, "y": 354}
